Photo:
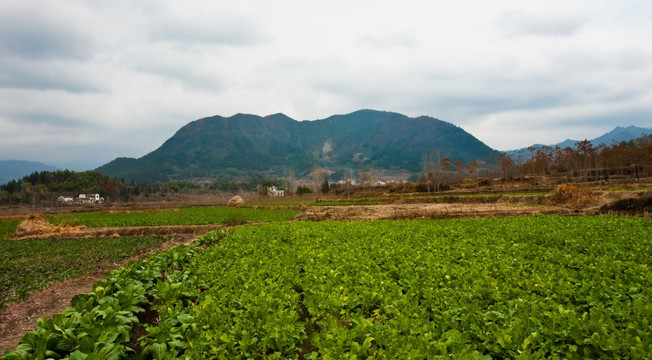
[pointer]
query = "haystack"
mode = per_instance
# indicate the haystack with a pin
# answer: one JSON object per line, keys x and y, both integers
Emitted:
{"x": 235, "y": 201}
{"x": 571, "y": 195}
{"x": 35, "y": 224}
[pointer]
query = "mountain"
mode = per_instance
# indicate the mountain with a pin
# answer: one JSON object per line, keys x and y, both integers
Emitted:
{"x": 620, "y": 134}
{"x": 614, "y": 136}
{"x": 243, "y": 145}
{"x": 16, "y": 169}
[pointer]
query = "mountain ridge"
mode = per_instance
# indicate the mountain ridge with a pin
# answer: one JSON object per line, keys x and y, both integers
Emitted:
{"x": 617, "y": 135}
{"x": 246, "y": 144}
{"x": 16, "y": 169}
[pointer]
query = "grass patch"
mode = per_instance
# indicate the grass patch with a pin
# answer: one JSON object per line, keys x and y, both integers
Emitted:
{"x": 183, "y": 216}
{"x": 8, "y": 227}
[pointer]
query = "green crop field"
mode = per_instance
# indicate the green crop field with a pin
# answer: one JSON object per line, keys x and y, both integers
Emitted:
{"x": 32, "y": 264}
{"x": 183, "y": 216}
{"x": 527, "y": 287}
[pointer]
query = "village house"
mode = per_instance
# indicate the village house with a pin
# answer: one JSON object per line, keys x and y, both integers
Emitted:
{"x": 81, "y": 199}
{"x": 274, "y": 191}
{"x": 65, "y": 199}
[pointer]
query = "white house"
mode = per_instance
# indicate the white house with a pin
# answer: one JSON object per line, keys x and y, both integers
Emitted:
{"x": 274, "y": 191}
{"x": 81, "y": 199}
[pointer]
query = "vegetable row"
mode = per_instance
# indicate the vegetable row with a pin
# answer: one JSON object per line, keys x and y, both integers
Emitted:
{"x": 526, "y": 287}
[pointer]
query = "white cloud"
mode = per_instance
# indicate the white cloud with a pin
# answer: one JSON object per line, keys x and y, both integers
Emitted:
{"x": 33, "y": 32}
{"x": 389, "y": 40}
{"x": 130, "y": 74}
{"x": 517, "y": 22}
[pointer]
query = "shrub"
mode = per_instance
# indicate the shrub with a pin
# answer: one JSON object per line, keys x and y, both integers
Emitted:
{"x": 304, "y": 189}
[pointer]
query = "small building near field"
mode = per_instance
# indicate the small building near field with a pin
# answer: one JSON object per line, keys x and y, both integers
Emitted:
{"x": 274, "y": 191}
{"x": 81, "y": 199}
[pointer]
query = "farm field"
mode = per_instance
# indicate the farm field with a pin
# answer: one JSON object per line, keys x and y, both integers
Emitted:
{"x": 180, "y": 221}
{"x": 68, "y": 250}
{"x": 32, "y": 264}
{"x": 516, "y": 287}
{"x": 182, "y": 216}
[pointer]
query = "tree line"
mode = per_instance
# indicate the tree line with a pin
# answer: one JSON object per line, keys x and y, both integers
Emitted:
{"x": 44, "y": 187}
{"x": 584, "y": 163}
{"x": 545, "y": 166}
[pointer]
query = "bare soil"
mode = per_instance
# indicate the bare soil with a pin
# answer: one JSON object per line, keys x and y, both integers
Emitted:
{"x": 79, "y": 231}
{"x": 18, "y": 319}
{"x": 424, "y": 211}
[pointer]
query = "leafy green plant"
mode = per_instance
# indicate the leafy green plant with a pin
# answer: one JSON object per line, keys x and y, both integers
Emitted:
{"x": 478, "y": 288}
{"x": 98, "y": 325}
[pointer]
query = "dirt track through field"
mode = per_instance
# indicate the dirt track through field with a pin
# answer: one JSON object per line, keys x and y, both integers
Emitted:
{"x": 424, "y": 211}
{"x": 19, "y": 318}
{"x": 82, "y": 231}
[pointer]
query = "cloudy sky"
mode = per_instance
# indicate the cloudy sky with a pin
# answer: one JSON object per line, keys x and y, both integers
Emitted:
{"x": 84, "y": 82}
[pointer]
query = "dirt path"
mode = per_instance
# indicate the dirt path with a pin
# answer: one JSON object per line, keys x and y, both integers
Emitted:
{"x": 424, "y": 211}
{"x": 19, "y": 318}
{"x": 82, "y": 231}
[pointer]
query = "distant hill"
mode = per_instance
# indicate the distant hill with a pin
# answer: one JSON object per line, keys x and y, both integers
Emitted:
{"x": 242, "y": 145}
{"x": 614, "y": 136}
{"x": 621, "y": 134}
{"x": 16, "y": 169}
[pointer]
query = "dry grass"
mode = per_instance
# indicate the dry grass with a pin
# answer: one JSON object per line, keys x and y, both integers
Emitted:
{"x": 420, "y": 211}
{"x": 236, "y": 201}
{"x": 571, "y": 195}
{"x": 36, "y": 226}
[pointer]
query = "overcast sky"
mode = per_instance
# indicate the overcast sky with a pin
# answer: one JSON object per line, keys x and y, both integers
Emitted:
{"x": 84, "y": 82}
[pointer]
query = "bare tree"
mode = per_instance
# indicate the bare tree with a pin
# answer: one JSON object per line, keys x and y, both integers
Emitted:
{"x": 366, "y": 175}
{"x": 446, "y": 165}
{"x": 506, "y": 164}
{"x": 289, "y": 180}
{"x": 347, "y": 178}
{"x": 472, "y": 167}
{"x": 427, "y": 163}
{"x": 318, "y": 175}
{"x": 432, "y": 166}
{"x": 459, "y": 167}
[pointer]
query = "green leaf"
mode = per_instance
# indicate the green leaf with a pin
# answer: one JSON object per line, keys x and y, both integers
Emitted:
{"x": 78, "y": 355}
{"x": 156, "y": 350}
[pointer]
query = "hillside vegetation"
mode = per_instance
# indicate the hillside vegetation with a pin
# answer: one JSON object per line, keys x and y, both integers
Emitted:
{"x": 238, "y": 146}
